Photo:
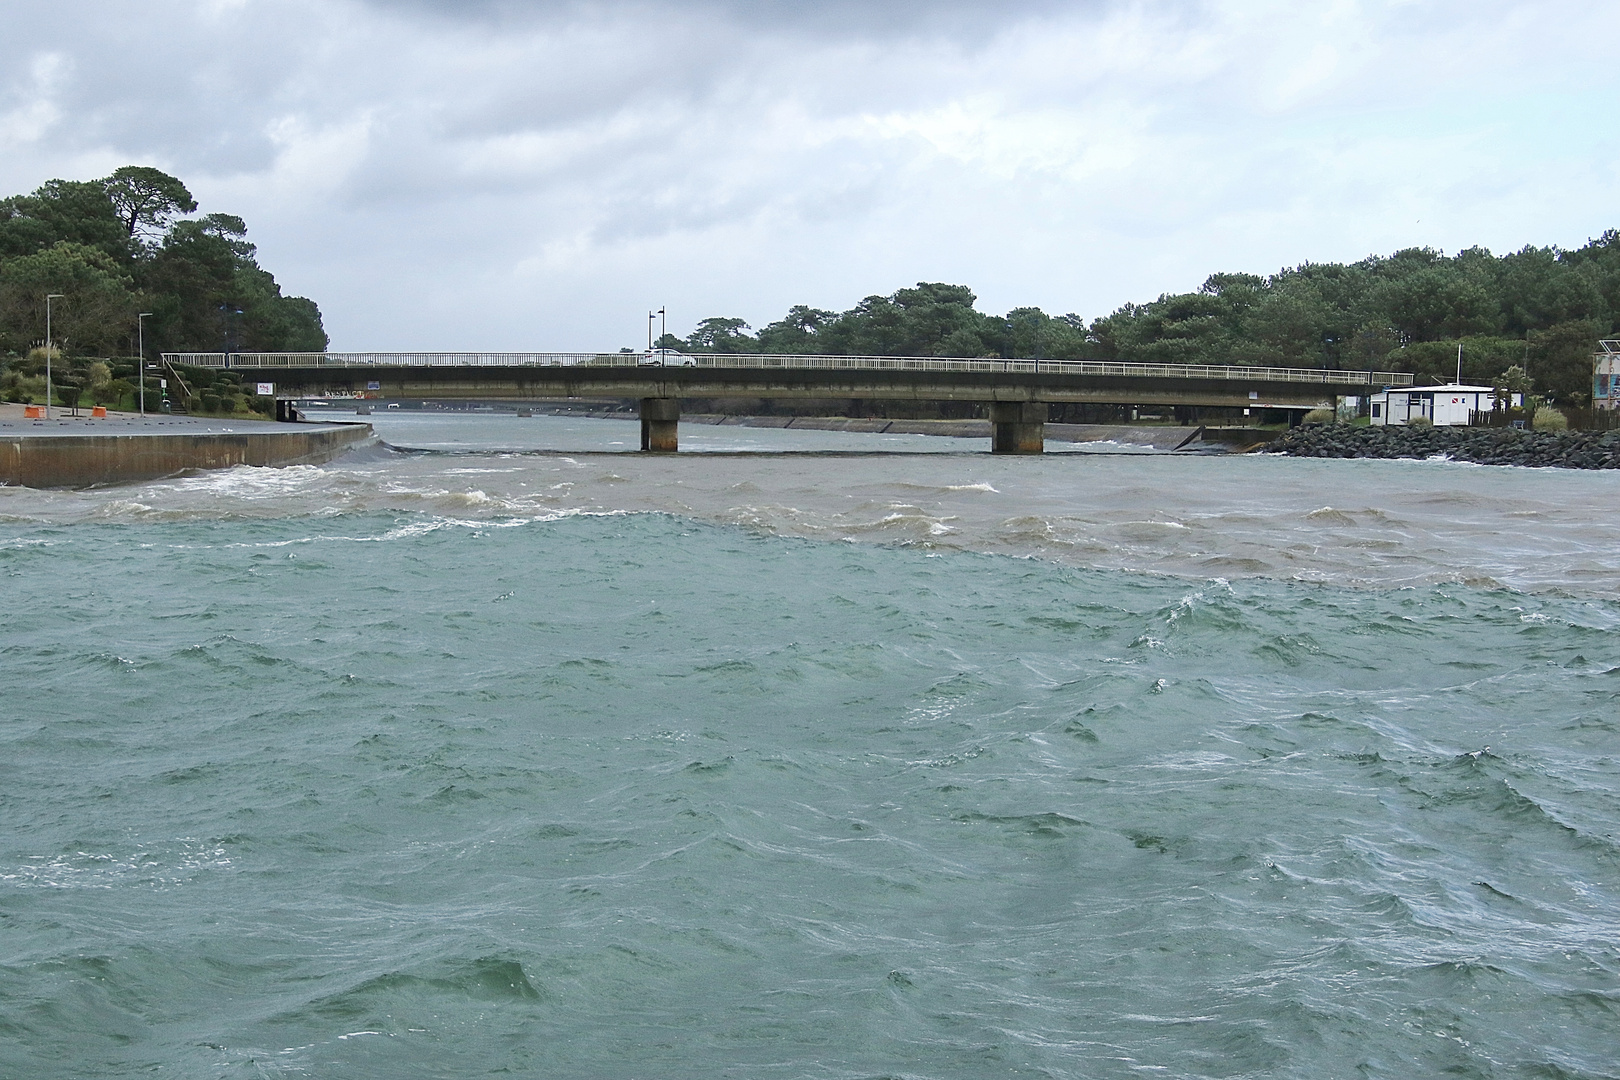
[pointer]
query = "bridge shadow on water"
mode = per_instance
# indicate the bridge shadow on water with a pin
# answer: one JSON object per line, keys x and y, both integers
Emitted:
{"x": 382, "y": 450}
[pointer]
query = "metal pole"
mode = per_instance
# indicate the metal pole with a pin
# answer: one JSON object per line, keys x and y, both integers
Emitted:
{"x": 663, "y": 326}
{"x": 649, "y": 332}
{"x": 48, "y": 298}
{"x": 140, "y": 361}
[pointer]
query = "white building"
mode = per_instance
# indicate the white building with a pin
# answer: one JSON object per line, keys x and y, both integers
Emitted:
{"x": 1606, "y": 376}
{"x": 1442, "y": 406}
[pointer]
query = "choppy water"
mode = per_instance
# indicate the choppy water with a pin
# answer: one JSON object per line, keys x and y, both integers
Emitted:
{"x": 920, "y": 765}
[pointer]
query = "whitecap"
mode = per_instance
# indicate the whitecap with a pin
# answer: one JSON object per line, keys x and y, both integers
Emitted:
{"x": 122, "y": 508}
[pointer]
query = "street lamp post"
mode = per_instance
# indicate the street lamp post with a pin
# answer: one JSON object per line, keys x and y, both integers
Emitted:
{"x": 48, "y": 347}
{"x": 663, "y": 328}
{"x": 140, "y": 361}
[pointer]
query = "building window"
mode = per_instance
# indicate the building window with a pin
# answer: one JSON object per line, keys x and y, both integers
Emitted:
{"x": 1378, "y": 410}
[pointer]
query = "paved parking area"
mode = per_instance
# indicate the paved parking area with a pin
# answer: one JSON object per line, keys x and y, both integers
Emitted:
{"x": 62, "y": 422}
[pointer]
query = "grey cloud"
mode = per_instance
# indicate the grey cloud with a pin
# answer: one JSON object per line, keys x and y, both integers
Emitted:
{"x": 548, "y": 164}
{"x": 165, "y": 83}
{"x": 960, "y": 20}
{"x": 200, "y": 85}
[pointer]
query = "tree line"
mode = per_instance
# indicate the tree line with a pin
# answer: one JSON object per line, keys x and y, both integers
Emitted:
{"x": 1538, "y": 309}
{"x": 121, "y": 245}
{"x": 132, "y": 242}
{"x": 127, "y": 243}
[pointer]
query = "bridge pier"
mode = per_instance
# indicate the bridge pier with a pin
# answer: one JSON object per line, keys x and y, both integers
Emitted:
{"x": 1017, "y": 427}
{"x": 660, "y": 416}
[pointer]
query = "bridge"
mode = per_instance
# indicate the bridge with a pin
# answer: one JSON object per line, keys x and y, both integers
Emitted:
{"x": 1017, "y": 391}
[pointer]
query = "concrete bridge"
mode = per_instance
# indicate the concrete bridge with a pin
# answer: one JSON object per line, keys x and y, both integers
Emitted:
{"x": 1017, "y": 391}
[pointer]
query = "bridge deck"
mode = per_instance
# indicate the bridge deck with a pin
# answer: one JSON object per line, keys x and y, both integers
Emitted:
{"x": 769, "y": 362}
{"x": 1017, "y": 391}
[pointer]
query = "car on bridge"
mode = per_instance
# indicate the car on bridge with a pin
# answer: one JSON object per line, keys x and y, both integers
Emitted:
{"x": 666, "y": 358}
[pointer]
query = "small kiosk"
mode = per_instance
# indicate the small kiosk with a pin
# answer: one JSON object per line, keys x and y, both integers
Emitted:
{"x": 1443, "y": 406}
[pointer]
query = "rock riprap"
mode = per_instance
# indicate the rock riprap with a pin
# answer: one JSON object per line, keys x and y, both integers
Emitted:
{"x": 1484, "y": 446}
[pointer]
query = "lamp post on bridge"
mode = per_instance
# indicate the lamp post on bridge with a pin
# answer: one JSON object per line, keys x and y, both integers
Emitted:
{"x": 663, "y": 328}
{"x": 48, "y": 347}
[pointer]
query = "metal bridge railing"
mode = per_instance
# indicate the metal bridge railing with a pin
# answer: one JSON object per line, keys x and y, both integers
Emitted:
{"x": 380, "y": 359}
{"x": 768, "y": 361}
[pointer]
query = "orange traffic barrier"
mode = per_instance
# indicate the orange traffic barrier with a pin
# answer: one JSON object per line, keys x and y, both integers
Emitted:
{"x": 98, "y": 413}
{"x": 33, "y": 412}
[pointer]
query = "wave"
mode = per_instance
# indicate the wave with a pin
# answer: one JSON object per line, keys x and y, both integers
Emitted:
{"x": 1194, "y": 518}
{"x": 641, "y": 786}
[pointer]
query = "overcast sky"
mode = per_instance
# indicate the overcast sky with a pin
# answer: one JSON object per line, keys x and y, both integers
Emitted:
{"x": 524, "y": 174}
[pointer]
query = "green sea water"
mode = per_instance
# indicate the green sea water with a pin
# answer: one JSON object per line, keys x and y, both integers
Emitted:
{"x": 367, "y": 771}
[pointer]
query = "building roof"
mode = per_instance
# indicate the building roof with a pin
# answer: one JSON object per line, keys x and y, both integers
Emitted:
{"x": 1448, "y": 388}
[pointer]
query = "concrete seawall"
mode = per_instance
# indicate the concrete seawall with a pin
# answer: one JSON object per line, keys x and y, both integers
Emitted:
{"x": 33, "y": 458}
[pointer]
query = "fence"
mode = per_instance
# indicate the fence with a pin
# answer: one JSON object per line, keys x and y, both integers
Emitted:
{"x": 1593, "y": 419}
{"x": 1579, "y": 419}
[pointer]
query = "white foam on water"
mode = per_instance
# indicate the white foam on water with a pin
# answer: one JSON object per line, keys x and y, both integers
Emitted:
{"x": 250, "y": 481}
{"x": 153, "y": 866}
{"x": 1248, "y": 515}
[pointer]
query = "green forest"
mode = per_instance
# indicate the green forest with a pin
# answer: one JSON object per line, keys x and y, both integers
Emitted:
{"x": 113, "y": 248}
{"x": 1541, "y": 309}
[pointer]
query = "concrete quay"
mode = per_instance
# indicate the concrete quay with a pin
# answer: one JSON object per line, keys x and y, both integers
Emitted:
{"x": 123, "y": 448}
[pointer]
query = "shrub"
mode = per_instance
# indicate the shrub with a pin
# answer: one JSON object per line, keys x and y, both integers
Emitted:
{"x": 115, "y": 392}
{"x": 1420, "y": 422}
{"x": 1550, "y": 419}
{"x": 1318, "y": 416}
